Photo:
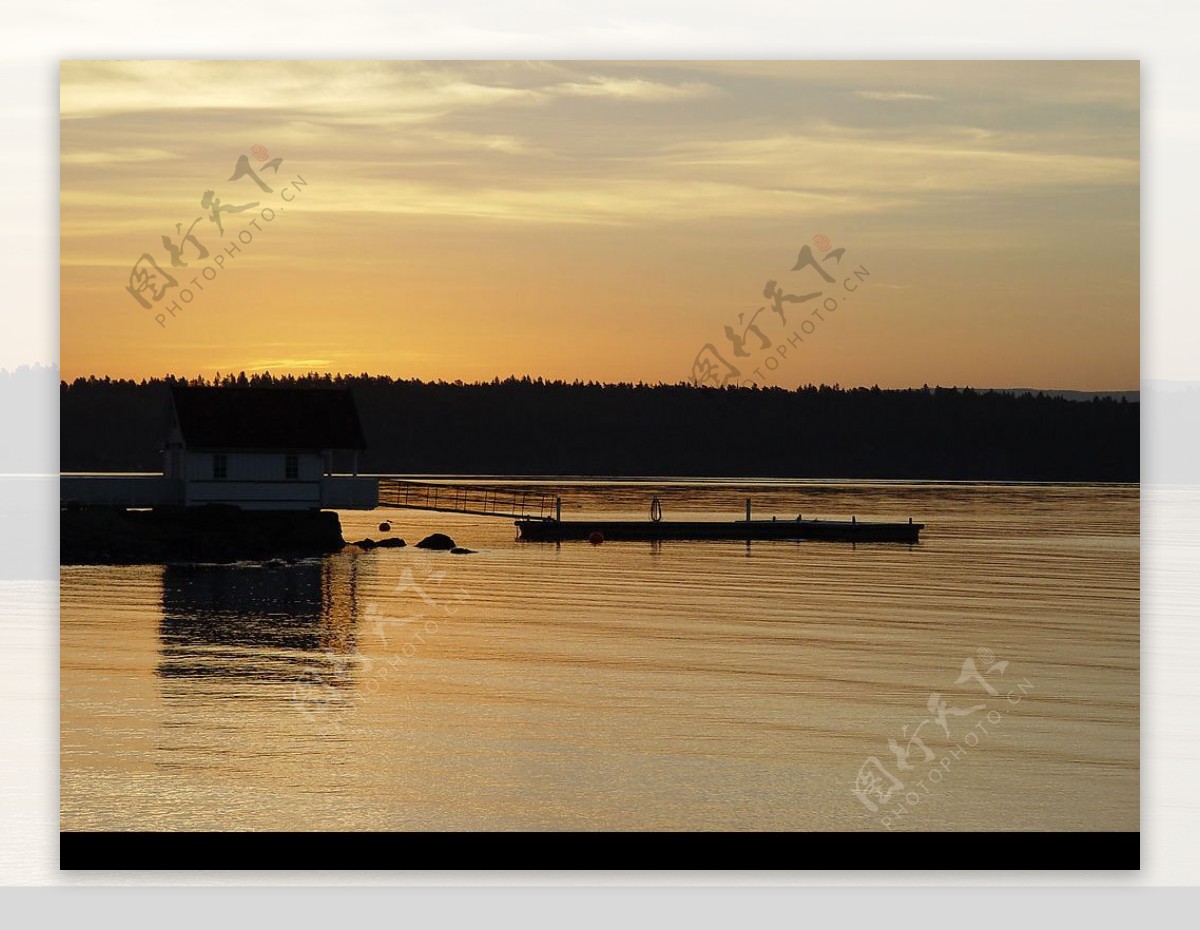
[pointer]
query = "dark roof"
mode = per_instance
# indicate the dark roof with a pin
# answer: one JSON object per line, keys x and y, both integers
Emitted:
{"x": 267, "y": 418}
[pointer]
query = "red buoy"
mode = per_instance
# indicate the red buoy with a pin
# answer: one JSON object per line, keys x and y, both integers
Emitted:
{"x": 385, "y": 527}
{"x": 596, "y": 538}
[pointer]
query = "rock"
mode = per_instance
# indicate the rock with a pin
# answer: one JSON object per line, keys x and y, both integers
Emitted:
{"x": 459, "y": 550}
{"x": 436, "y": 541}
{"x": 391, "y": 543}
{"x": 367, "y": 544}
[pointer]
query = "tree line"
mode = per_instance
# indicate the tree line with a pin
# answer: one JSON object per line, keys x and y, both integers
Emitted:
{"x": 531, "y": 426}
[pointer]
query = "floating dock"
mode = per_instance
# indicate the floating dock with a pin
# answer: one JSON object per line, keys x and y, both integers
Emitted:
{"x": 823, "y": 530}
{"x": 537, "y": 513}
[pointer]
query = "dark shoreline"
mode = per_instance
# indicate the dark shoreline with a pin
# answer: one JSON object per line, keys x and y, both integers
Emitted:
{"x": 113, "y": 536}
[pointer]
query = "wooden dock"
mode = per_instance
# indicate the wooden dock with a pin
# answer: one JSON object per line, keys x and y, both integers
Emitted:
{"x": 514, "y": 502}
{"x": 823, "y": 530}
{"x": 537, "y": 513}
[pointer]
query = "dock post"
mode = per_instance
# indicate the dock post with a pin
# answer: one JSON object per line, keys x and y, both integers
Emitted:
{"x": 747, "y": 510}
{"x": 558, "y": 509}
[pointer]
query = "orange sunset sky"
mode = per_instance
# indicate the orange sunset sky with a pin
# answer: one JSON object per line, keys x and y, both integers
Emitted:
{"x": 466, "y": 220}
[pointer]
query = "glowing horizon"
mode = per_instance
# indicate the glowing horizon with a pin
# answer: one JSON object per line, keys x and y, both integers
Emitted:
{"x": 604, "y": 221}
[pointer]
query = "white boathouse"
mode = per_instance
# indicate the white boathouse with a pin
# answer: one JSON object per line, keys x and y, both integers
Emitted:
{"x": 253, "y": 448}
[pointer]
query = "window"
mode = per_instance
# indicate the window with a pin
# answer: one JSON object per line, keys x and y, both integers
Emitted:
{"x": 220, "y": 467}
{"x": 291, "y": 467}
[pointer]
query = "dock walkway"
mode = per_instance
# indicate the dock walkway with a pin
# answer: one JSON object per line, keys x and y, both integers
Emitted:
{"x": 513, "y": 502}
{"x": 537, "y": 513}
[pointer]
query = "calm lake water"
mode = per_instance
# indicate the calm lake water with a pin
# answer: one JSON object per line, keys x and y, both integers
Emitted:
{"x": 626, "y": 686}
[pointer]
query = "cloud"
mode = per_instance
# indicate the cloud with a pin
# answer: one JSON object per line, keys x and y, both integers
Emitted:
{"x": 117, "y": 156}
{"x": 893, "y": 95}
{"x": 839, "y": 160}
{"x": 361, "y": 91}
{"x": 354, "y": 92}
{"x": 611, "y": 201}
{"x": 633, "y": 89}
{"x": 1030, "y": 83}
{"x": 279, "y": 364}
{"x": 541, "y": 142}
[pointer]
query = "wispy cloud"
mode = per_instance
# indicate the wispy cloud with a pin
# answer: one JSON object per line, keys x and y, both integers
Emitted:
{"x": 359, "y": 92}
{"x": 888, "y": 172}
{"x": 392, "y": 92}
{"x": 633, "y": 89}
{"x": 117, "y": 156}
{"x": 602, "y": 201}
{"x": 279, "y": 365}
{"x": 893, "y": 95}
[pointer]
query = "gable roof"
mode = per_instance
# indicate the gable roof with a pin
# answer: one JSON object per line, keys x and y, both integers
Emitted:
{"x": 267, "y": 418}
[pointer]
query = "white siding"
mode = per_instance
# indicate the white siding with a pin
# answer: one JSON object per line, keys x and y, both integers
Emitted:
{"x": 256, "y": 480}
{"x": 256, "y": 466}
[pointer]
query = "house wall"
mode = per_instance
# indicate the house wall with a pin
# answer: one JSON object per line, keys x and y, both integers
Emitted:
{"x": 256, "y": 480}
{"x": 256, "y": 466}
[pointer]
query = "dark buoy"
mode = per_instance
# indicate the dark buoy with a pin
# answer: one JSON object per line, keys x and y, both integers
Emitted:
{"x": 385, "y": 527}
{"x": 596, "y": 538}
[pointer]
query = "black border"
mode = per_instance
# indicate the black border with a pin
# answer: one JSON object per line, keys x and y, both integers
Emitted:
{"x": 324, "y": 852}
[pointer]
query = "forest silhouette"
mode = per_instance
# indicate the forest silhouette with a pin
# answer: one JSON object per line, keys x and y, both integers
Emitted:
{"x": 530, "y": 426}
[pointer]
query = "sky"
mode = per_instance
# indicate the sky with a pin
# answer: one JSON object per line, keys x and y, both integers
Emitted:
{"x": 608, "y": 221}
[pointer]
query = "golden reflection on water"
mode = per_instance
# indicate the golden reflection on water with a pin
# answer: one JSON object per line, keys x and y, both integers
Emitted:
{"x": 683, "y": 685}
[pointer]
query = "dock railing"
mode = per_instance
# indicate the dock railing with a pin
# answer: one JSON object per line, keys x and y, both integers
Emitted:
{"x": 514, "y": 502}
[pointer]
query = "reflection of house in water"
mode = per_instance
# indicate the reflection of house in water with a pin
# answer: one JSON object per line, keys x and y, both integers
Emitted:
{"x": 261, "y": 621}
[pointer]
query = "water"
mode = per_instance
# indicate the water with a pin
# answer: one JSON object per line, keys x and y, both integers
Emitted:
{"x": 673, "y": 686}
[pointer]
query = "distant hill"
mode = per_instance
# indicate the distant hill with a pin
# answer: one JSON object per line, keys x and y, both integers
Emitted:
{"x": 1131, "y": 396}
{"x": 524, "y": 426}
